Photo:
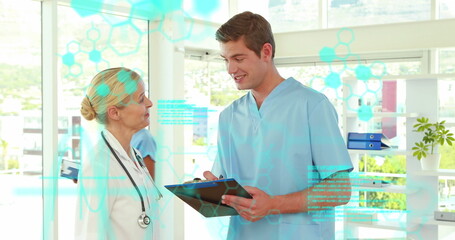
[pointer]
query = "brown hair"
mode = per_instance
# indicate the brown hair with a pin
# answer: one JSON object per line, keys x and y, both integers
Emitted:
{"x": 110, "y": 87}
{"x": 255, "y": 29}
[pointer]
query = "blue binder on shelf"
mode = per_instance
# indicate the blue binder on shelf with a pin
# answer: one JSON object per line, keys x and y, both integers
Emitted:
{"x": 367, "y": 141}
{"x": 375, "y": 137}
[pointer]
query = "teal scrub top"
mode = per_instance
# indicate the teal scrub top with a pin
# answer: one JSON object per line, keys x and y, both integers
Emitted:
{"x": 291, "y": 143}
{"x": 145, "y": 143}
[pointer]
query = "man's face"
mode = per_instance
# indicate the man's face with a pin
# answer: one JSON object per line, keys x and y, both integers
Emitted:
{"x": 245, "y": 67}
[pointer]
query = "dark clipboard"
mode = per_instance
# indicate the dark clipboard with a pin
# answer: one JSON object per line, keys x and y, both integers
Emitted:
{"x": 205, "y": 197}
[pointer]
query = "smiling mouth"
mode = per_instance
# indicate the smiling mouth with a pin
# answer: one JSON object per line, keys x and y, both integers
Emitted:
{"x": 238, "y": 78}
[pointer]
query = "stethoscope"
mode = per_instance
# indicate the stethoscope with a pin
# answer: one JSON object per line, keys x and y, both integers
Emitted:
{"x": 143, "y": 220}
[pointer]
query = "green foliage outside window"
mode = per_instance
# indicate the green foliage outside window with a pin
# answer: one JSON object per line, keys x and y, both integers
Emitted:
{"x": 19, "y": 83}
{"x": 200, "y": 141}
{"x": 447, "y": 156}
{"x": 391, "y": 164}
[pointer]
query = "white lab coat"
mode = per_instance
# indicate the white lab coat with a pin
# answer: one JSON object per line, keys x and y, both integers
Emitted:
{"x": 108, "y": 205}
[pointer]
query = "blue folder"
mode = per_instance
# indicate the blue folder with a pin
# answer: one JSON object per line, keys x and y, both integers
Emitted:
{"x": 367, "y": 141}
{"x": 366, "y": 145}
{"x": 69, "y": 169}
{"x": 205, "y": 197}
{"x": 377, "y": 137}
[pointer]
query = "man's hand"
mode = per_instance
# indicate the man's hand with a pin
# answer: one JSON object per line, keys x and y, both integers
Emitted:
{"x": 209, "y": 176}
{"x": 254, "y": 209}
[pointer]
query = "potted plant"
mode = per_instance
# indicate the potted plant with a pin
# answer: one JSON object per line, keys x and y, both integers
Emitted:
{"x": 434, "y": 134}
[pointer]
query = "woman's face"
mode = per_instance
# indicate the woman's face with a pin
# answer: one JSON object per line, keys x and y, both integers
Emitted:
{"x": 135, "y": 114}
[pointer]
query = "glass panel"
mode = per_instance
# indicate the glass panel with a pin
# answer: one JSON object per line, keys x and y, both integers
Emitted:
{"x": 446, "y": 192}
{"x": 447, "y": 60}
{"x": 342, "y": 13}
{"x": 209, "y": 88}
{"x": 446, "y": 196}
{"x": 383, "y": 200}
{"x": 403, "y": 67}
{"x": 446, "y": 9}
{"x": 20, "y": 120}
{"x": 88, "y": 45}
{"x": 393, "y": 164}
{"x": 285, "y": 15}
{"x": 447, "y": 113}
{"x": 313, "y": 76}
{"x": 320, "y": 78}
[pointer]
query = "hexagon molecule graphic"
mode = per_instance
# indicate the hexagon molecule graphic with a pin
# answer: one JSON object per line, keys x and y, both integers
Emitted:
{"x": 87, "y": 8}
{"x": 68, "y": 59}
{"x": 345, "y": 36}
{"x": 95, "y": 56}
{"x": 176, "y": 28}
{"x": 365, "y": 113}
{"x": 327, "y": 54}
{"x": 124, "y": 33}
{"x": 333, "y": 80}
{"x": 363, "y": 73}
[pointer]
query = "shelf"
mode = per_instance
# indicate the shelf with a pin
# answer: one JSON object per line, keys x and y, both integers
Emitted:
{"x": 385, "y": 225}
{"x": 381, "y": 174}
{"x": 40, "y": 131}
{"x": 429, "y": 220}
{"x": 389, "y": 151}
{"x": 440, "y": 223}
{"x": 439, "y": 173}
{"x": 385, "y": 114}
{"x": 390, "y": 189}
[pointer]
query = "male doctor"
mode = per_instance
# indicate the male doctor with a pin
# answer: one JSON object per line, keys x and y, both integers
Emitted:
{"x": 281, "y": 141}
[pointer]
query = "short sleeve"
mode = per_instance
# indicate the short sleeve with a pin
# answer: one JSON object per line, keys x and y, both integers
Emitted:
{"x": 328, "y": 148}
{"x": 145, "y": 143}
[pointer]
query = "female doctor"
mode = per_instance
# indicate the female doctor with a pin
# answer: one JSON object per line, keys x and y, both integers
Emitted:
{"x": 117, "y": 197}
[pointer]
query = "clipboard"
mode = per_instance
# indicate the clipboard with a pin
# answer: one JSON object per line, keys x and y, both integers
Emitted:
{"x": 69, "y": 169}
{"x": 205, "y": 197}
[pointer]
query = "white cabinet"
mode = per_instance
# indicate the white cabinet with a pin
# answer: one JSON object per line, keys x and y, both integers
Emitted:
{"x": 415, "y": 96}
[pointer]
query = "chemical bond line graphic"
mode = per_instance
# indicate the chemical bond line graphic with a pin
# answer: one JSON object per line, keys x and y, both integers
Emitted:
{"x": 363, "y": 91}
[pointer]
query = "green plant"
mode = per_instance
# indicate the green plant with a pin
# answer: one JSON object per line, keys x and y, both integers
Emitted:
{"x": 13, "y": 164}
{"x": 434, "y": 134}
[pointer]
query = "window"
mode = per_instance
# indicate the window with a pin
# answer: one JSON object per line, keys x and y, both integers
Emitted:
{"x": 447, "y": 113}
{"x": 362, "y": 12}
{"x": 209, "y": 87}
{"x": 88, "y": 45}
{"x": 20, "y": 120}
{"x": 446, "y": 9}
{"x": 446, "y": 60}
{"x": 285, "y": 15}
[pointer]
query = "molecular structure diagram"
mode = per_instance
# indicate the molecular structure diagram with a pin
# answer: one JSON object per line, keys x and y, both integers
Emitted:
{"x": 342, "y": 63}
{"x": 168, "y": 18}
{"x": 363, "y": 88}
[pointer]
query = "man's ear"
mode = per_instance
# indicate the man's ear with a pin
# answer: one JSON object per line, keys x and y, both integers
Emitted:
{"x": 113, "y": 113}
{"x": 267, "y": 51}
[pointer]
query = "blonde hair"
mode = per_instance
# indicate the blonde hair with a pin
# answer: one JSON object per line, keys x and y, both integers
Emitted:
{"x": 110, "y": 87}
